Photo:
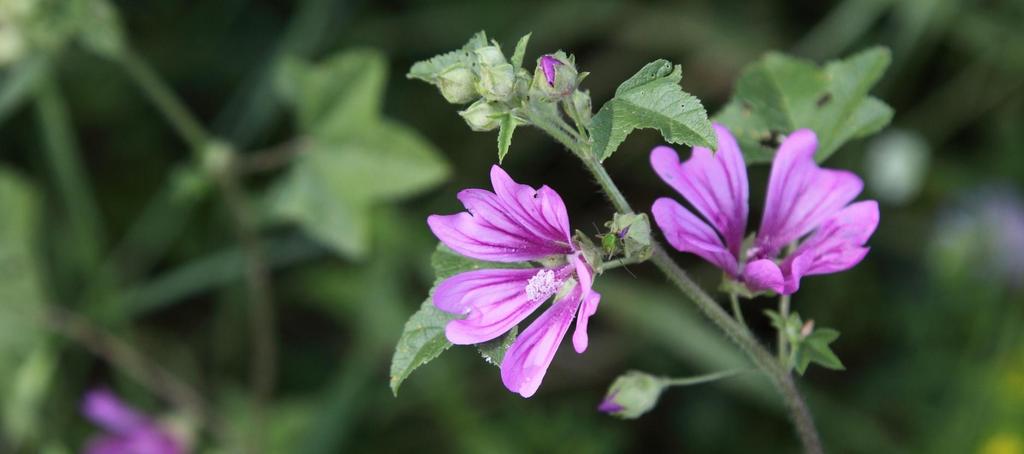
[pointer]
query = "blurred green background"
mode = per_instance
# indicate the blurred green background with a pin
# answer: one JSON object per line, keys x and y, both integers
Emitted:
{"x": 128, "y": 243}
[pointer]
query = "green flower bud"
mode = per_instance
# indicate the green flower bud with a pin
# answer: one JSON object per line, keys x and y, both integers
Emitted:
{"x": 457, "y": 84}
{"x": 582, "y": 105}
{"x": 633, "y": 394}
{"x": 497, "y": 82}
{"x": 490, "y": 56}
{"x": 483, "y": 115}
{"x": 555, "y": 77}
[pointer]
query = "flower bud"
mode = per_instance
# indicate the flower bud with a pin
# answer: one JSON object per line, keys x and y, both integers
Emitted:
{"x": 483, "y": 115}
{"x": 555, "y": 76}
{"x": 457, "y": 84}
{"x": 633, "y": 394}
{"x": 497, "y": 82}
{"x": 490, "y": 56}
{"x": 582, "y": 105}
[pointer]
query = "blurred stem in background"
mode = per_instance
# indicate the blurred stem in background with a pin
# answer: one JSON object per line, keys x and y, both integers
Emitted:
{"x": 776, "y": 371}
{"x": 217, "y": 159}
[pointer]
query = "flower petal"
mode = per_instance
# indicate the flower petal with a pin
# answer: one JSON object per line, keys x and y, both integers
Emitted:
{"x": 580, "y": 340}
{"x": 801, "y": 195}
{"x": 493, "y": 300}
{"x": 106, "y": 410}
{"x": 540, "y": 210}
{"x": 528, "y": 359}
{"x": 512, "y": 224}
{"x": 715, "y": 183}
{"x": 688, "y": 233}
{"x": 763, "y": 274}
{"x": 836, "y": 246}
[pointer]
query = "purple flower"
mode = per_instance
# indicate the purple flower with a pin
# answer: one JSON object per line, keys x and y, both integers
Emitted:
{"x": 547, "y": 64}
{"x": 128, "y": 431}
{"x": 802, "y": 199}
{"x": 515, "y": 223}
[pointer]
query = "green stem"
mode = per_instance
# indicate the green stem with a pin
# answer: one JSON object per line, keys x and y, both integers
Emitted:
{"x": 699, "y": 379}
{"x": 166, "y": 102}
{"x": 619, "y": 263}
{"x": 784, "y": 313}
{"x": 736, "y": 311}
{"x": 762, "y": 358}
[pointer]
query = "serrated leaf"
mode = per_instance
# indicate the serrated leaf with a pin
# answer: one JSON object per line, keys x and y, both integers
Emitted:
{"x": 331, "y": 187}
{"x": 422, "y": 340}
{"x": 428, "y": 70}
{"x": 506, "y": 128}
{"x": 447, "y": 263}
{"x": 652, "y": 98}
{"x": 520, "y": 51}
{"x": 779, "y": 94}
{"x": 337, "y": 96}
{"x": 493, "y": 351}
{"x": 815, "y": 349}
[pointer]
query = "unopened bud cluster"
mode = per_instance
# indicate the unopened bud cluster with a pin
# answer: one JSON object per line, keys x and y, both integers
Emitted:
{"x": 496, "y": 86}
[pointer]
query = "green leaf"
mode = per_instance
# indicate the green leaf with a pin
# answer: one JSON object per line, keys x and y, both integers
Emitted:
{"x": 448, "y": 263}
{"x": 429, "y": 70}
{"x": 493, "y": 351}
{"x": 520, "y": 51}
{"x": 333, "y": 184}
{"x": 652, "y": 98}
{"x": 779, "y": 94}
{"x": 338, "y": 96}
{"x": 422, "y": 340}
{"x": 815, "y": 348}
{"x": 22, "y": 302}
{"x": 507, "y": 126}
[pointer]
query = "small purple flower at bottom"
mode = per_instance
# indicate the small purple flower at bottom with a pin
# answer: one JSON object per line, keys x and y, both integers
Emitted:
{"x": 803, "y": 199}
{"x": 515, "y": 223}
{"x": 128, "y": 431}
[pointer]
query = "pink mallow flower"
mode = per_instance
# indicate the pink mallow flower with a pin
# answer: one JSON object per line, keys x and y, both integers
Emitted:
{"x": 802, "y": 199}
{"x": 128, "y": 431}
{"x": 515, "y": 223}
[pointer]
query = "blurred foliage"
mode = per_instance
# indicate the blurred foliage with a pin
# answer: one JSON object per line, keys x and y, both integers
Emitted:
{"x": 107, "y": 213}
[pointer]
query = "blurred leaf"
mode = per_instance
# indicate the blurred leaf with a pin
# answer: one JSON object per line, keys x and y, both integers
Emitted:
{"x": 340, "y": 95}
{"x": 447, "y": 263}
{"x": 353, "y": 158}
{"x": 494, "y": 350}
{"x": 780, "y": 94}
{"x": 99, "y": 27}
{"x": 520, "y": 52}
{"x": 26, "y": 395}
{"x": 18, "y": 81}
{"x": 652, "y": 98}
{"x": 429, "y": 70}
{"x": 21, "y": 302}
{"x": 422, "y": 340}
{"x": 507, "y": 127}
{"x": 814, "y": 349}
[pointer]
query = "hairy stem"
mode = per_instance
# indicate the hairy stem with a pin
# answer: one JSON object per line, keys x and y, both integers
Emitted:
{"x": 738, "y": 333}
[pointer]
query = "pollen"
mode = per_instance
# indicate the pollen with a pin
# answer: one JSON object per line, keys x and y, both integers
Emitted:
{"x": 542, "y": 285}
